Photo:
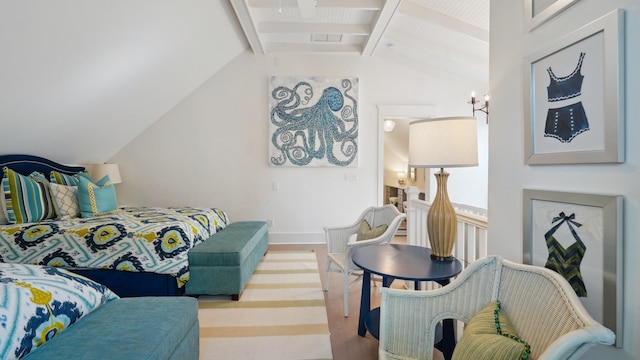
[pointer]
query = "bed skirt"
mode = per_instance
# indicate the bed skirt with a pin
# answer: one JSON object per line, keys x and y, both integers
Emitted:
{"x": 133, "y": 284}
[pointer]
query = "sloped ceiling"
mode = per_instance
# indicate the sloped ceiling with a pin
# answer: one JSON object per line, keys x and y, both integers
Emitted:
{"x": 79, "y": 79}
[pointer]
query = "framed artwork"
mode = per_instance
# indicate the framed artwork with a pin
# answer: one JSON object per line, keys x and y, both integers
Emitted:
{"x": 313, "y": 122}
{"x": 574, "y": 96}
{"x": 580, "y": 237}
{"x": 540, "y": 11}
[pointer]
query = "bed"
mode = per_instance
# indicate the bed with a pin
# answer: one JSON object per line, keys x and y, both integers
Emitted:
{"x": 135, "y": 251}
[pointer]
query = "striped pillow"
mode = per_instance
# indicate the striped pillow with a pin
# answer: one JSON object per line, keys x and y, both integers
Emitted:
{"x": 27, "y": 198}
{"x": 64, "y": 179}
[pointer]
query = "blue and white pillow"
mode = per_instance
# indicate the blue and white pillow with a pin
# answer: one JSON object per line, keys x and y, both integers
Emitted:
{"x": 39, "y": 302}
{"x": 98, "y": 198}
{"x": 65, "y": 201}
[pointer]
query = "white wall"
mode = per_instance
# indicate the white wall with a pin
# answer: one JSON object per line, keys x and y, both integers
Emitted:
{"x": 508, "y": 175}
{"x": 79, "y": 79}
{"x": 211, "y": 149}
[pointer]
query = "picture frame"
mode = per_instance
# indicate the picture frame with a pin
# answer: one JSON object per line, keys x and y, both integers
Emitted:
{"x": 538, "y": 12}
{"x": 583, "y": 123}
{"x": 313, "y": 121}
{"x": 554, "y": 221}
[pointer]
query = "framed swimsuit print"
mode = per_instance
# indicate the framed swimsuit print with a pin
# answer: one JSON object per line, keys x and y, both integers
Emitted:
{"x": 574, "y": 96}
{"x": 580, "y": 237}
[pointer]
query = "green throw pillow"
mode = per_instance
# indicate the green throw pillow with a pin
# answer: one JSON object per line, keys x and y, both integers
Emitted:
{"x": 490, "y": 335}
{"x": 27, "y": 198}
{"x": 96, "y": 199}
{"x": 365, "y": 232}
{"x": 64, "y": 179}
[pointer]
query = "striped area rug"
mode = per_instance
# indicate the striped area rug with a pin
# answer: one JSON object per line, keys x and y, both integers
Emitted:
{"x": 281, "y": 314}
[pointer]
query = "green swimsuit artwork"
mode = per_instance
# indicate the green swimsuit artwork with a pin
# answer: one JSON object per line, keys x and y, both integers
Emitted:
{"x": 566, "y": 261}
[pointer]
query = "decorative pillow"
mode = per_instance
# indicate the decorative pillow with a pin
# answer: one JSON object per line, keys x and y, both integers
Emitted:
{"x": 365, "y": 232}
{"x": 27, "y": 198}
{"x": 96, "y": 199}
{"x": 490, "y": 335}
{"x": 64, "y": 179}
{"x": 65, "y": 200}
{"x": 39, "y": 302}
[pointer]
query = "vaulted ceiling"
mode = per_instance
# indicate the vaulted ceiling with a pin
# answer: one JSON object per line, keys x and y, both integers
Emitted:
{"x": 79, "y": 79}
{"x": 450, "y": 35}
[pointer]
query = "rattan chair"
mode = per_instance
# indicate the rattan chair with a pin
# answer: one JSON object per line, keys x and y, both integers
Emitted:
{"x": 339, "y": 248}
{"x": 540, "y": 303}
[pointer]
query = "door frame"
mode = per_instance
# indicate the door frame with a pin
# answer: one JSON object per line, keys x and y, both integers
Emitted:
{"x": 407, "y": 112}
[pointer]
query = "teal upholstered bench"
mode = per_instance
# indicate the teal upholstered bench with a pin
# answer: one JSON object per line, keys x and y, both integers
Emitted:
{"x": 223, "y": 264}
{"x": 162, "y": 328}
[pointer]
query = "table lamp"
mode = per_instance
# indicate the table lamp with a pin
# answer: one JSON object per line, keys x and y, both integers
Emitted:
{"x": 442, "y": 143}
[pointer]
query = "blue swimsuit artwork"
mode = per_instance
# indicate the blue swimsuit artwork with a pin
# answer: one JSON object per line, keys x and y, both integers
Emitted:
{"x": 567, "y": 122}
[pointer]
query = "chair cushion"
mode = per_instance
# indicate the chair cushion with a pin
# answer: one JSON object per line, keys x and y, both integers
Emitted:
{"x": 365, "y": 232}
{"x": 490, "y": 335}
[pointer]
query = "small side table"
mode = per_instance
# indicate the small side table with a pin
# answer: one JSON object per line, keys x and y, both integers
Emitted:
{"x": 404, "y": 262}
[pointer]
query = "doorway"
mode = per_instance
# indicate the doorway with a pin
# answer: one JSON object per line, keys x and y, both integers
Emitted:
{"x": 389, "y": 171}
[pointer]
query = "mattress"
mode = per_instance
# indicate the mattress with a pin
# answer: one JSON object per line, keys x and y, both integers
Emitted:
{"x": 137, "y": 239}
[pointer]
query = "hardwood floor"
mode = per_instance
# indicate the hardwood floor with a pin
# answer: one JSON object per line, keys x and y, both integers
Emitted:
{"x": 346, "y": 344}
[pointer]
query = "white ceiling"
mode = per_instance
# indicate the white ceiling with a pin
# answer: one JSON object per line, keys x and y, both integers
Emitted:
{"x": 450, "y": 35}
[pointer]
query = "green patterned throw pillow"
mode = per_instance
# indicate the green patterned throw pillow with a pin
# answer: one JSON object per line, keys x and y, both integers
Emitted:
{"x": 489, "y": 335}
{"x": 365, "y": 232}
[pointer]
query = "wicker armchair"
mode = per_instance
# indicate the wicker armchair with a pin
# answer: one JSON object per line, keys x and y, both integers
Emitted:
{"x": 339, "y": 248}
{"x": 541, "y": 305}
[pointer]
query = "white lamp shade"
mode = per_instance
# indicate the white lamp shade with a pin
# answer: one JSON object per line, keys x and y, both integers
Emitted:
{"x": 98, "y": 171}
{"x": 443, "y": 142}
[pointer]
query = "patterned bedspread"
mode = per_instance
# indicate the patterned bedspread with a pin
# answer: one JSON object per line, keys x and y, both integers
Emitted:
{"x": 133, "y": 239}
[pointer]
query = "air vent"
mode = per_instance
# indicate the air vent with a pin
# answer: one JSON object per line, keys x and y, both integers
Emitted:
{"x": 333, "y": 38}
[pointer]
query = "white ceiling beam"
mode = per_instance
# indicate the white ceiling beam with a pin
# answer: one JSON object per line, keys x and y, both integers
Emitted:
{"x": 338, "y": 4}
{"x": 412, "y": 9}
{"x": 313, "y": 48}
{"x": 248, "y": 26}
{"x": 297, "y": 28}
{"x": 384, "y": 18}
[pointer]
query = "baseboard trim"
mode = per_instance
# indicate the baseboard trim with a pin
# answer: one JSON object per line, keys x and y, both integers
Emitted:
{"x": 296, "y": 238}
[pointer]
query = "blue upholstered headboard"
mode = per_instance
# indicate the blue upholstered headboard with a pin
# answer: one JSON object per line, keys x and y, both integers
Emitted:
{"x": 26, "y": 164}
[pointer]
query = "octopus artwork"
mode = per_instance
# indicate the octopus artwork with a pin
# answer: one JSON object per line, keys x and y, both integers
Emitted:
{"x": 309, "y": 129}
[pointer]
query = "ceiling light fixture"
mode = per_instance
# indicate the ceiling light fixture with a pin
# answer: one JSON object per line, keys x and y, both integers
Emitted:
{"x": 388, "y": 125}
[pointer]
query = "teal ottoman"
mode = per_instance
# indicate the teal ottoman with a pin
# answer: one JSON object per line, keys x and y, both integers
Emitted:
{"x": 223, "y": 264}
{"x": 158, "y": 328}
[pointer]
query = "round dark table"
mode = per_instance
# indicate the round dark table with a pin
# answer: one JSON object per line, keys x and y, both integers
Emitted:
{"x": 403, "y": 262}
